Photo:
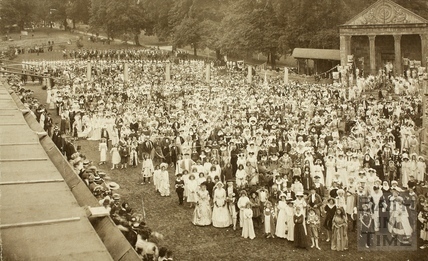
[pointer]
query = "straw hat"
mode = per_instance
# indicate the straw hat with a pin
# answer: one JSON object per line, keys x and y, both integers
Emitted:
{"x": 113, "y": 185}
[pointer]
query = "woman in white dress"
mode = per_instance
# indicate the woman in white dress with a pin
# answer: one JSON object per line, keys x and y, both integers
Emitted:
{"x": 241, "y": 176}
{"x": 351, "y": 190}
{"x": 202, "y": 215}
{"x": 97, "y": 123}
{"x": 102, "y": 147}
{"x": 114, "y": 136}
{"x": 248, "y": 227}
{"x": 164, "y": 181}
{"x": 242, "y": 202}
{"x": 330, "y": 164}
{"x": 406, "y": 167}
{"x": 178, "y": 169}
{"x": 289, "y": 219}
{"x": 213, "y": 172}
{"x": 220, "y": 217}
{"x": 52, "y": 101}
{"x": 281, "y": 226}
{"x": 192, "y": 187}
{"x": 399, "y": 225}
{"x": 157, "y": 178}
{"x": 115, "y": 157}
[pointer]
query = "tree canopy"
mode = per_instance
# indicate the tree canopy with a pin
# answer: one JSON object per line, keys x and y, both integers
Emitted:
{"x": 118, "y": 18}
{"x": 230, "y": 27}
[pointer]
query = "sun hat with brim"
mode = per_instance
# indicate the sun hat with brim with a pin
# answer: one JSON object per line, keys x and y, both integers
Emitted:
{"x": 340, "y": 191}
{"x": 113, "y": 185}
{"x": 219, "y": 183}
{"x": 164, "y": 165}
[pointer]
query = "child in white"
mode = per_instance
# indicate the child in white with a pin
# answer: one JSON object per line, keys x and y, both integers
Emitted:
{"x": 248, "y": 227}
{"x": 313, "y": 221}
{"x": 147, "y": 169}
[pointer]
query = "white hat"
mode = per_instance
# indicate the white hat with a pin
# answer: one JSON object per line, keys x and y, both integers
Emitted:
{"x": 113, "y": 185}
{"x": 164, "y": 165}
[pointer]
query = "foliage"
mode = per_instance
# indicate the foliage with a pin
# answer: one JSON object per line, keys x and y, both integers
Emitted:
{"x": 158, "y": 17}
{"x": 230, "y": 27}
{"x": 19, "y": 12}
{"x": 118, "y": 17}
{"x": 78, "y": 11}
{"x": 79, "y": 44}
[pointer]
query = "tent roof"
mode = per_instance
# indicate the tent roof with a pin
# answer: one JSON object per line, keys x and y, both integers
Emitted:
{"x": 40, "y": 218}
{"x": 317, "y": 54}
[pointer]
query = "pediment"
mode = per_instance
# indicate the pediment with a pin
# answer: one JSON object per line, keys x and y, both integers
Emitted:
{"x": 386, "y": 12}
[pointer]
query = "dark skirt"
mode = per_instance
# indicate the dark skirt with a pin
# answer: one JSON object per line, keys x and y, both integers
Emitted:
{"x": 328, "y": 223}
{"x": 124, "y": 159}
{"x": 299, "y": 236}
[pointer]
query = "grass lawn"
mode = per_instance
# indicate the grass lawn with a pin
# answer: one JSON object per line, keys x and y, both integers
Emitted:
{"x": 188, "y": 242}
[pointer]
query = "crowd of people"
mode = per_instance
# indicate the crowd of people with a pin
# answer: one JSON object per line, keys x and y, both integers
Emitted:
{"x": 130, "y": 222}
{"x": 293, "y": 159}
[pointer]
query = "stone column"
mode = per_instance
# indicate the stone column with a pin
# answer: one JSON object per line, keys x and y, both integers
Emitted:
{"x": 343, "y": 51}
{"x": 348, "y": 45}
{"x": 125, "y": 72}
{"x": 89, "y": 72}
{"x": 372, "y": 54}
{"x": 207, "y": 73}
{"x": 424, "y": 46}
{"x": 168, "y": 72}
{"x": 285, "y": 75}
{"x": 250, "y": 74}
{"x": 397, "y": 47}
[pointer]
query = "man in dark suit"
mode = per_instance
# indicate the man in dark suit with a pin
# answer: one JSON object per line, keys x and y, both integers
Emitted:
{"x": 289, "y": 193}
{"x": 234, "y": 157}
{"x": 56, "y": 137}
{"x": 119, "y": 125}
{"x": 48, "y": 124}
{"x": 148, "y": 147}
{"x": 69, "y": 149}
{"x": 174, "y": 152}
{"x": 62, "y": 143}
{"x": 105, "y": 135}
{"x": 314, "y": 200}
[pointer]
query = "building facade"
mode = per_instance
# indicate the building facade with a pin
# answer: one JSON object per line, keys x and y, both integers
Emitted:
{"x": 385, "y": 35}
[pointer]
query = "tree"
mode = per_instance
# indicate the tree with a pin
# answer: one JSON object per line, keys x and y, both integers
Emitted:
{"x": 252, "y": 26}
{"x": 196, "y": 23}
{"x": 188, "y": 33}
{"x": 118, "y": 17}
{"x": 157, "y": 18}
{"x": 19, "y": 12}
{"x": 57, "y": 12}
{"x": 78, "y": 11}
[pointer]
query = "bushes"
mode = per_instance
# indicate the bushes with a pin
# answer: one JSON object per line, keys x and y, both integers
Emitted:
{"x": 79, "y": 44}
